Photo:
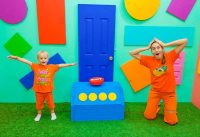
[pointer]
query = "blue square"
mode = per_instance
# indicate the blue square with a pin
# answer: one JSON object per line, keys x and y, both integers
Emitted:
{"x": 27, "y": 80}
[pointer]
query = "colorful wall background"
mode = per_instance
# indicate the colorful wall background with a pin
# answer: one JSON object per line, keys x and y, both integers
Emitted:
{"x": 11, "y": 89}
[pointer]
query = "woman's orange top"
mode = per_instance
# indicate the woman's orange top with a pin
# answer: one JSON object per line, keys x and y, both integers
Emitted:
{"x": 162, "y": 75}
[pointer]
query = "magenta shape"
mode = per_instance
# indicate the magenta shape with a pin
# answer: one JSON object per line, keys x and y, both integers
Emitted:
{"x": 181, "y": 8}
{"x": 12, "y": 11}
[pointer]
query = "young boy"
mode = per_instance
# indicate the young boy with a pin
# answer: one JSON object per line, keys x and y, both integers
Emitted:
{"x": 43, "y": 81}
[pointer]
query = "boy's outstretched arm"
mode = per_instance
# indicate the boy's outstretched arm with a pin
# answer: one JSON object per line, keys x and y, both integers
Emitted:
{"x": 20, "y": 59}
{"x": 66, "y": 65}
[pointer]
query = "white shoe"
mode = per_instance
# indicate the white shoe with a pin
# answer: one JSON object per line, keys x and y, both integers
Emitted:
{"x": 53, "y": 116}
{"x": 37, "y": 118}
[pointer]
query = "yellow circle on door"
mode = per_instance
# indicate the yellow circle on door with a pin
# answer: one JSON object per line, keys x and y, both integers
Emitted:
{"x": 92, "y": 96}
{"x": 142, "y": 9}
{"x": 82, "y": 97}
{"x": 102, "y": 96}
{"x": 112, "y": 96}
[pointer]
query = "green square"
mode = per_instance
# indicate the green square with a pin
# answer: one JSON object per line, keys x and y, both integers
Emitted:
{"x": 17, "y": 45}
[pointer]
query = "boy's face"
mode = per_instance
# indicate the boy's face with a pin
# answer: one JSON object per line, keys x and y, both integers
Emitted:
{"x": 43, "y": 58}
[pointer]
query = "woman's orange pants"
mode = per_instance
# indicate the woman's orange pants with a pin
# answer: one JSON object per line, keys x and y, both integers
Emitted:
{"x": 170, "y": 105}
{"x": 41, "y": 97}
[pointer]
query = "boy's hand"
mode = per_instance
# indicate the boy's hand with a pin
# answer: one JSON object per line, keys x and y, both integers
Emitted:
{"x": 12, "y": 57}
{"x": 66, "y": 65}
{"x": 20, "y": 59}
{"x": 72, "y": 64}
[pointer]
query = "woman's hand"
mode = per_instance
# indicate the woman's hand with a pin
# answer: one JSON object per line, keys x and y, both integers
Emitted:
{"x": 149, "y": 46}
{"x": 160, "y": 42}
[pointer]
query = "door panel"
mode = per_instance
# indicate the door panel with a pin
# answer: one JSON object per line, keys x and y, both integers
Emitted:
{"x": 96, "y": 27}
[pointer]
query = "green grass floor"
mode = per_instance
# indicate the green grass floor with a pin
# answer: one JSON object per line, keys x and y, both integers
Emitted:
{"x": 16, "y": 120}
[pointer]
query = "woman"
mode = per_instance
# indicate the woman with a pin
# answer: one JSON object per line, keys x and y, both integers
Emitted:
{"x": 163, "y": 84}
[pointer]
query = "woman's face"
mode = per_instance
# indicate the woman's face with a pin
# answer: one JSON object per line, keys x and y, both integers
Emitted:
{"x": 157, "y": 50}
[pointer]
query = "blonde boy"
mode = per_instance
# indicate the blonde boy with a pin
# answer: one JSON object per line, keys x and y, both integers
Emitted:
{"x": 43, "y": 81}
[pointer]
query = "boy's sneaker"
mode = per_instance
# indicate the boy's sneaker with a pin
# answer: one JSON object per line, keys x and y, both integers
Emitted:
{"x": 53, "y": 116}
{"x": 37, "y": 118}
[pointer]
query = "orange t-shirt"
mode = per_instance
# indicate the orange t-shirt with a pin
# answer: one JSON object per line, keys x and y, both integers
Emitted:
{"x": 43, "y": 77}
{"x": 162, "y": 75}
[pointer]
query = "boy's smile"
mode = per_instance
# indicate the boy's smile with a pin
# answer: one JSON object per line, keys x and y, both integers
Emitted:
{"x": 43, "y": 58}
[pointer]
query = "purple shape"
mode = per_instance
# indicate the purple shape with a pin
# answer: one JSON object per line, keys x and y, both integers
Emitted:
{"x": 13, "y": 11}
{"x": 181, "y": 8}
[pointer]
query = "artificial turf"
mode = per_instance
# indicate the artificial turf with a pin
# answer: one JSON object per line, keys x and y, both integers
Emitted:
{"x": 17, "y": 120}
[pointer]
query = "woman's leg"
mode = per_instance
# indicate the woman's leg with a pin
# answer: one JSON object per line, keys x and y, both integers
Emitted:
{"x": 170, "y": 105}
{"x": 152, "y": 105}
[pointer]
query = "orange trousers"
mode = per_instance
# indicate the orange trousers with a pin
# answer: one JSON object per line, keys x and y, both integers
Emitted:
{"x": 41, "y": 97}
{"x": 170, "y": 105}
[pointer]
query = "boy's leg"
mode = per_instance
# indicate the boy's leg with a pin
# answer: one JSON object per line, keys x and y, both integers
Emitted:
{"x": 39, "y": 105}
{"x": 170, "y": 105}
{"x": 51, "y": 105}
{"x": 152, "y": 107}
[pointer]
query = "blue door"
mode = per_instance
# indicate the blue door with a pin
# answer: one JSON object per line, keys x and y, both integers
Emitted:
{"x": 96, "y": 34}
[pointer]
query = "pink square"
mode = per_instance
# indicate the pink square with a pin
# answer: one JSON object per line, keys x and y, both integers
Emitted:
{"x": 178, "y": 68}
{"x": 181, "y": 8}
{"x": 178, "y": 81}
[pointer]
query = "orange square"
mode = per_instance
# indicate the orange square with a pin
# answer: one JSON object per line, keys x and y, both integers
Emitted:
{"x": 138, "y": 75}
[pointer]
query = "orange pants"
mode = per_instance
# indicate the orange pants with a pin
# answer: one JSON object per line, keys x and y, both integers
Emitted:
{"x": 41, "y": 97}
{"x": 170, "y": 105}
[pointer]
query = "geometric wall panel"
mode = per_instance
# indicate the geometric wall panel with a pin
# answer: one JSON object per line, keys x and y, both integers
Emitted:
{"x": 27, "y": 80}
{"x": 196, "y": 85}
{"x": 17, "y": 45}
{"x": 142, "y": 35}
{"x": 142, "y": 9}
{"x": 178, "y": 68}
{"x": 13, "y": 11}
{"x": 198, "y": 68}
{"x": 181, "y": 8}
{"x": 137, "y": 75}
{"x": 51, "y": 21}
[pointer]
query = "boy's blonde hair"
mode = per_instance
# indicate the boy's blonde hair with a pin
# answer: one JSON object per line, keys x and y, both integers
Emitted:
{"x": 42, "y": 51}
